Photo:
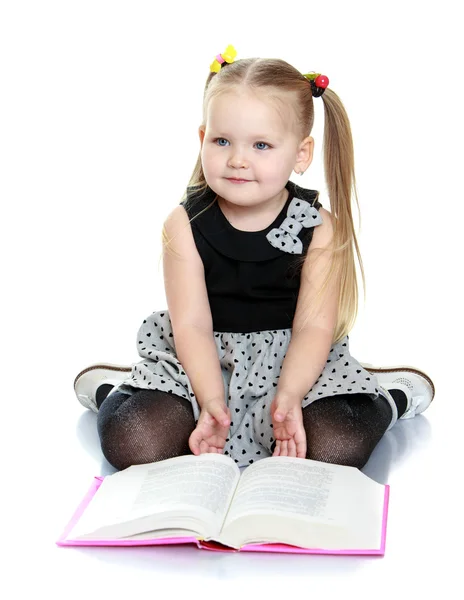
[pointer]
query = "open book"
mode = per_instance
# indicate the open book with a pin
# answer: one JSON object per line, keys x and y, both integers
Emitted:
{"x": 278, "y": 504}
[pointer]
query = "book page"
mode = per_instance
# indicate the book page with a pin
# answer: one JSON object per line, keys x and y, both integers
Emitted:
{"x": 311, "y": 492}
{"x": 283, "y": 486}
{"x": 185, "y": 486}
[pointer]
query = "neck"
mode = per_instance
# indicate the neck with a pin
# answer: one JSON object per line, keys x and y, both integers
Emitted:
{"x": 256, "y": 217}
{"x": 255, "y": 211}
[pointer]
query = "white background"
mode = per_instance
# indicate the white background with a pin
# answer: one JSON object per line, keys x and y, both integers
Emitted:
{"x": 100, "y": 104}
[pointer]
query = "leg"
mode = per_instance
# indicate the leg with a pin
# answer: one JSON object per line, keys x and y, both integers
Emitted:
{"x": 148, "y": 426}
{"x": 345, "y": 429}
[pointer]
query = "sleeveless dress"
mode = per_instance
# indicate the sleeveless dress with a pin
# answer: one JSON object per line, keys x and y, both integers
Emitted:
{"x": 253, "y": 281}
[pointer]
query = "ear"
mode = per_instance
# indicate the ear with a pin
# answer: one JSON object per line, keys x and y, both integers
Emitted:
{"x": 201, "y": 133}
{"x": 304, "y": 155}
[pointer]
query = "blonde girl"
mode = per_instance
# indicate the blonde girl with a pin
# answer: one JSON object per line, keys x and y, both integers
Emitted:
{"x": 251, "y": 358}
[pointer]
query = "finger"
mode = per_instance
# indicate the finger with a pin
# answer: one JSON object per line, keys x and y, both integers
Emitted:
{"x": 283, "y": 448}
{"x": 291, "y": 447}
{"x": 220, "y": 413}
{"x": 194, "y": 442}
{"x": 277, "y": 449}
{"x": 301, "y": 446}
{"x": 301, "y": 451}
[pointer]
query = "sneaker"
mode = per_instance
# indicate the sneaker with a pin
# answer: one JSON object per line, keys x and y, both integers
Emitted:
{"x": 416, "y": 384}
{"x": 90, "y": 379}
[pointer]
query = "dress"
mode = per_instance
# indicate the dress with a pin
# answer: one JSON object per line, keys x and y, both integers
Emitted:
{"x": 253, "y": 285}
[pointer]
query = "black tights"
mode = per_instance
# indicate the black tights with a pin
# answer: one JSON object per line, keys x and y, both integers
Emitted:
{"x": 152, "y": 425}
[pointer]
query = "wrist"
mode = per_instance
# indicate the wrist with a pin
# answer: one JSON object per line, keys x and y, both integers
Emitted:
{"x": 288, "y": 398}
{"x": 208, "y": 402}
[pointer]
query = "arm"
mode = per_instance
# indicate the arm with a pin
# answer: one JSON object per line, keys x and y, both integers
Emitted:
{"x": 312, "y": 335}
{"x": 189, "y": 310}
{"x": 304, "y": 362}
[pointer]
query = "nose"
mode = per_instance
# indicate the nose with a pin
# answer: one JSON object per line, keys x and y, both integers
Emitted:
{"x": 237, "y": 160}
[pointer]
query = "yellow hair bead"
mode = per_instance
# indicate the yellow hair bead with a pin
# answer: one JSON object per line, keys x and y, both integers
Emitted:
{"x": 227, "y": 56}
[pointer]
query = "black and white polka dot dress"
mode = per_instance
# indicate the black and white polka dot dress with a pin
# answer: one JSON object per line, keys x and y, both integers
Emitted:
{"x": 252, "y": 282}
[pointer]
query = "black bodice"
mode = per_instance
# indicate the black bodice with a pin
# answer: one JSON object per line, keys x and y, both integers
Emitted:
{"x": 252, "y": 285}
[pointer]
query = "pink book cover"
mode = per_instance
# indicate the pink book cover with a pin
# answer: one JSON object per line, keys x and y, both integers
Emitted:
{"x": 211, "y": 545}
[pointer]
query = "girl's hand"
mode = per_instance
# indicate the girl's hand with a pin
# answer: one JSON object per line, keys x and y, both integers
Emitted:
{"x": 289, "y": 433}
{"x": 212, "y": 429}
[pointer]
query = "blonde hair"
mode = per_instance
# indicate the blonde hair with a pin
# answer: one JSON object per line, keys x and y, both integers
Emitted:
{"x": 275, "y": 77}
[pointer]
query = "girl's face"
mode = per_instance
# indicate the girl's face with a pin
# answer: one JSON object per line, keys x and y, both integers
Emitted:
{"x": 247, "y": 138}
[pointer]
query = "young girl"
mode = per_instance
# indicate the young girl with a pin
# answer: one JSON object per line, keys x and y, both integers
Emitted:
{"x": 252, "y": 356}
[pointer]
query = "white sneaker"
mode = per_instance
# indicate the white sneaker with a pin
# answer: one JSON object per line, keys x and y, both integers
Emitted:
{"x": 417, "y": 385}
{"x": 87, "y": 381}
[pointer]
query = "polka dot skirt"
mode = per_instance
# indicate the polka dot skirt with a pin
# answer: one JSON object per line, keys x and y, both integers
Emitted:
{"x": 250, "y": 365}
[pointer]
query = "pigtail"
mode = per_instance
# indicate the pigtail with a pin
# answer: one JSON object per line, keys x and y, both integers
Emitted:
{"x": 341, "y": 182}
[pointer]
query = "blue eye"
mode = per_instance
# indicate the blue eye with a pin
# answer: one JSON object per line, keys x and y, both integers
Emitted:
{"x": 217, "y": 140}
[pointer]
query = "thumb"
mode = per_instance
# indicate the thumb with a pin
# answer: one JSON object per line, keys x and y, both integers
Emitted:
{"x": 281, "y": 412}
{"x": 220, "y": 413}
{"x": 280, "y": 415}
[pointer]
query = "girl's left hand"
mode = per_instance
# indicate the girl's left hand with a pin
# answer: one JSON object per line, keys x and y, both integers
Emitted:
{"x": 289, "y": 433}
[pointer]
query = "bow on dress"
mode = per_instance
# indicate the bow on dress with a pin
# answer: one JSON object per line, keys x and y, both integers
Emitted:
{"x": 299, "y": 214}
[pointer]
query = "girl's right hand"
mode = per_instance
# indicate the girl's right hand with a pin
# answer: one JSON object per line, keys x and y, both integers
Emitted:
{"x": 212, "y": 429}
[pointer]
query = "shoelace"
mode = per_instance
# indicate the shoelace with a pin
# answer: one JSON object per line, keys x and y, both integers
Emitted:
{"x": 416, "y": 401}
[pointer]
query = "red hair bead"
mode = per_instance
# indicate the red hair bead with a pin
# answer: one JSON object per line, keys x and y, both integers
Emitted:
{"x": 322, "y": 81}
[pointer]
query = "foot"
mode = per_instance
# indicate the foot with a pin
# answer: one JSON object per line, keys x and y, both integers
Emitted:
{"x": 90, "y": 379}
{"x": 416, "y": 384}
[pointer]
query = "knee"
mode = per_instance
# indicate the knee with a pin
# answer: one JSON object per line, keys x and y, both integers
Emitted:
{"x": 119, "y": 437}
{"x": 136, "y": 430}
{"x": 338, "y": 453}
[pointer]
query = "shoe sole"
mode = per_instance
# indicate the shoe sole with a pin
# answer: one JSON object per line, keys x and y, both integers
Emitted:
{"x": 396, "y": 368}
{"x": 108, "y": 366}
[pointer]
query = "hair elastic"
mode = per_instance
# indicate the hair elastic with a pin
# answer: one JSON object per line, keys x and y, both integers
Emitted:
{"x": 318, "y": 83}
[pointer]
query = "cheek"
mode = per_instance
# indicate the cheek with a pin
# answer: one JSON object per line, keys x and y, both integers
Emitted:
{"x": 276, "y": 164}
{"x": 209, "y": 157}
